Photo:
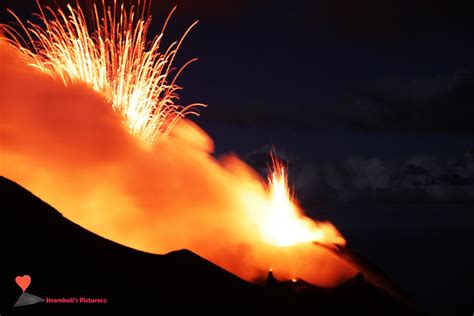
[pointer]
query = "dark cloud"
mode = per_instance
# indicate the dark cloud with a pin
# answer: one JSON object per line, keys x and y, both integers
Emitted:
{"x": 386, "y": 20}
{"x": 443, "y": 104}
{"x": 415, "y": 179}
{"x": 266, "y": 115}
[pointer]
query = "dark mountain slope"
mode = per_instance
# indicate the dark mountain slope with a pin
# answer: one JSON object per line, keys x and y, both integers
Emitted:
{"x": 66, "y": 261}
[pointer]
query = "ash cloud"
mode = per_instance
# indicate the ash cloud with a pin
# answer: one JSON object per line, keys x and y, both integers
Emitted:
{"x": 67, "y": 146}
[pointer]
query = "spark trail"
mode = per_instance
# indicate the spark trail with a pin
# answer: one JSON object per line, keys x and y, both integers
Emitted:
{"x": 109, "y": 51}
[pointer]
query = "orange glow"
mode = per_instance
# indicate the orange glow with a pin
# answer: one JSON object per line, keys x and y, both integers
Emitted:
{"x": 114, "y": 58}
{"x": 69, "y": 146}
{"x": 284, "y": 223}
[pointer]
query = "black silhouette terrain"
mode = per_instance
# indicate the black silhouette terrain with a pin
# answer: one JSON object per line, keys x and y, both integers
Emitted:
{"x": 65, "y": 260}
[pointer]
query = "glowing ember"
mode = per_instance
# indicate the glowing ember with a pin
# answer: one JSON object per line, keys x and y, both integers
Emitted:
{"x": 110, "y": 53}
{"x": 285, "y": 224}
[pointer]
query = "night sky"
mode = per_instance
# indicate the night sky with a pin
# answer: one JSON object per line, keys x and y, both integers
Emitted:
{"x": 332, "y": 79}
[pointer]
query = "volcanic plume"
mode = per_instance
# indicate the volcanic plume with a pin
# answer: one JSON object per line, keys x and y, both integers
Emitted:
{"x": 74, "y": 146}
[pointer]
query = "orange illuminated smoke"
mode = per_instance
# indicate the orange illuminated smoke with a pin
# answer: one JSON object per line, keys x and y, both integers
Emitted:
{"x": 73, "y": 134}
{"x": 114, "y": 58}
{"x": 284, "y": 223}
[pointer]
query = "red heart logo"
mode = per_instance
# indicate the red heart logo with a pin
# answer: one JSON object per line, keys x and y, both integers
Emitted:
{"x": 23, "y": 281}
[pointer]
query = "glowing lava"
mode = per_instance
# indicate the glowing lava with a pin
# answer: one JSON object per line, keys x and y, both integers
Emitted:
{"x": 285, "y": 223}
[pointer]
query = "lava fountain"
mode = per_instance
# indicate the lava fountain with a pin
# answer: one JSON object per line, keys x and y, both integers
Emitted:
{"x": 284, "y": 224}
{"x": 90, "y": 124}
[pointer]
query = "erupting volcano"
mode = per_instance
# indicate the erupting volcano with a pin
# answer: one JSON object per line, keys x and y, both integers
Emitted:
{"x": 91, "y": 124}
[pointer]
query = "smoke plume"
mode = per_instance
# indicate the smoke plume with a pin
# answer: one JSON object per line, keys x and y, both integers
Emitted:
{"x": 67, "y": 146}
